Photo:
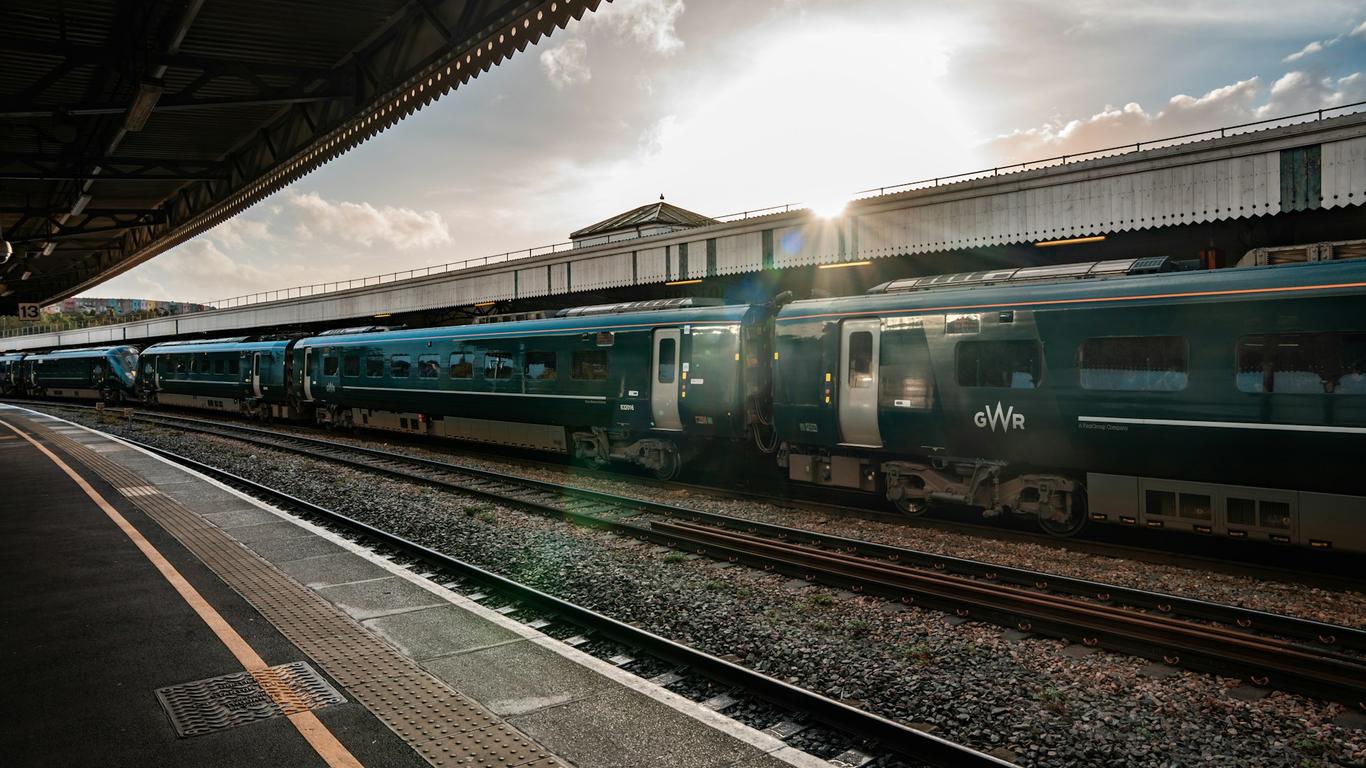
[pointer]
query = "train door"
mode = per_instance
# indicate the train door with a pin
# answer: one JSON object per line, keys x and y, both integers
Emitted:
{"x": 256, "y": 374}
{"x": 664, "y": 379}
{"x": 308, "y": 375}
{"x": 859, "y": 382}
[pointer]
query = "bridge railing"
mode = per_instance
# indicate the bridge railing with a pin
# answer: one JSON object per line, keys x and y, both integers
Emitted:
{"x": 1119, "y": 149}
{"x": 317, "y": 289}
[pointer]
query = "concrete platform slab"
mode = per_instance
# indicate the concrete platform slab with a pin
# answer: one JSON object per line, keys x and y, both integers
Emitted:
{"x": 275, "y": 531}
{"x": 606, "y": 729}
{"x": 293, "y": 548}
{"x": 440, "y": 631}
{"x": 378, "y": 597}
{"x": 517, "y": 678}
{"x": 245, "y": 514}
{"x": 330, "y": 570}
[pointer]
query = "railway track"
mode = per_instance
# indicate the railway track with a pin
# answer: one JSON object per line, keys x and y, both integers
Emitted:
{"x": 1332, "y": 575}
{"x": 871, "y": 737}
{"x": 1265, "y": 649}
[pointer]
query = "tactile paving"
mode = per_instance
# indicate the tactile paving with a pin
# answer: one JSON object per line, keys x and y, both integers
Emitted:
{"x": 227, "y": 701}
{"x": 444, "y": 726}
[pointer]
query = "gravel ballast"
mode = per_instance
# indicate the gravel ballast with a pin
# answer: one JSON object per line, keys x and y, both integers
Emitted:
{"x": 1038, "y": 698}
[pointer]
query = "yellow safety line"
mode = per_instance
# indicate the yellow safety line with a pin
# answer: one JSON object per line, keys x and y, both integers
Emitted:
{"x": 318, "y": 736}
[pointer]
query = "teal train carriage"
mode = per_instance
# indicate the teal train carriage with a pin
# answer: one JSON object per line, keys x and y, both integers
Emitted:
{"x": 238, "y": 375}
{"x": 10, "y": 373}
{"x": 1229, "y": 402}
{"x": 108, "y": 374}
{"x": 647, "y": 383}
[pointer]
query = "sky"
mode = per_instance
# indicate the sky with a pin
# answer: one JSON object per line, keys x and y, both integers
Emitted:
{"x": 725, "y": 106}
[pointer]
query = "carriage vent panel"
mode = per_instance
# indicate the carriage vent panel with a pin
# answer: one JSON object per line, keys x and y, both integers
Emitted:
{"x": 492, "y": 286}
{"x": 559, "y": 278}
{"x": 1222, "y": 189}
{"x": 533, "y": 282}
{"x": 651, "y": 265}
{"x": 602, "y": 272}
{"x": 821, "y": 241}
{"x": 740, "y": 253}
{"x": 1344, "y": 173}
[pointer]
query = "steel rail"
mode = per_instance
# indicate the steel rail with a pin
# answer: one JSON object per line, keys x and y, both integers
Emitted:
{"x": 502, "y": 487}
{"x": 888, "y": 734}
{"x": 1323, "y": 633}
{"x": 1262, "y": 661}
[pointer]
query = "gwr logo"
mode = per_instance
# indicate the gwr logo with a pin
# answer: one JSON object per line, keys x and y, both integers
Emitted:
{"x": 1006, "y": 418}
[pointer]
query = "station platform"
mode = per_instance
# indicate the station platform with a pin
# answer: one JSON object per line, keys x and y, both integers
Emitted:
{"x": 153, "y": 616}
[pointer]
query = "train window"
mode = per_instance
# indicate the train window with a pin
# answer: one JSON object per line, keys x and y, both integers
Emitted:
{"x": 1195, "y": 506}
{"x": 904, "y": 366}
{"x": 1006, "y": 364}
{"x": 182, "y": 366}
{"x": 233, "y": 367}
{"x": 351, "y": 365}
{"x": 861, "y": 360}
{"x": 588, "y": 365}
{"x": 961, "y": 324}
{"x": 1274, "y": 514}
{"x": 462, "y": 365}
{"x": 498, "y": 365}
{"x": 1160, "y": 503}
{"x": 218, "y": 367}
{"x": 200, "y": 364}
{"x": 1134, "y": 363}
{"x": 330, "y": 365}
{"x": 668, "y": 352}
{"x": 400, "y": 366}
{"x": 374, "y": 366}
{"x": 1303, "y": 363}
{"x": 428, "y": 367}
{"x": 540, "y": 365}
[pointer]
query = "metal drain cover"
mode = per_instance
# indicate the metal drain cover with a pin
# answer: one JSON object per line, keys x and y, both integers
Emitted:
{"x": 227, "y": 701}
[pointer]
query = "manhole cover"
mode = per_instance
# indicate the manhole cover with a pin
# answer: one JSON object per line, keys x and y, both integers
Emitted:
{"x": 227, "y": 701}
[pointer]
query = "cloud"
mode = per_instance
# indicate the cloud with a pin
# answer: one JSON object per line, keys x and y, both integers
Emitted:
{"x": 201, "y": 263}
{"x": 405, "y": 228}
{"x": 1117, "y": 126}
{"x": 652, "y": 22}
{"x": 1293, "y": 93}
{"x": 567, "y": 64}
{"x": 239, "y": 230}
{"x": 1311, "y": 48}
{"x": 1298, "y": 92}
{"x": 1360, "y": 31}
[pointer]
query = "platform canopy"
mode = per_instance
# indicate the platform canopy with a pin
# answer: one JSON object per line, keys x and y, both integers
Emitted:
{"x": 130, "y": 126}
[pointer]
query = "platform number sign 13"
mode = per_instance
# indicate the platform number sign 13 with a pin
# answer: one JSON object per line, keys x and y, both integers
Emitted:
{"x": 30, "y": 313}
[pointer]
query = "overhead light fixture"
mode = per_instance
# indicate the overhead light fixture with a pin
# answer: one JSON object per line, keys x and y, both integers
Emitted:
{"x": 384, "y": 314}
{"x": 1069, "y": 241}
{"x": 684, "y": 282}
{"x": 49, "y": 248}
{"x": 484, "y": 304}
{"x": 843, "y": 264}
{"x": 27, "y": 274}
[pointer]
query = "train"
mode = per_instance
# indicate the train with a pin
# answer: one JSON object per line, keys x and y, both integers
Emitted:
{"x": 1225, "y": 402}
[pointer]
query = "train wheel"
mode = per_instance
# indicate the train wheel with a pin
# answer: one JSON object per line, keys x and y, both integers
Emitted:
{"x": 1074, "y": 522}
{"x": 911, "y": 508}
{"x": 670, "y": 462}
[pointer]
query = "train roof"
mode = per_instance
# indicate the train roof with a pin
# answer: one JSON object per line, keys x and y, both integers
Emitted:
{"x": 603, "y": 321}
{"x": 1236, "y": 283}
{"x": 79, "y": 353}
{"x": 215, "y": 345}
